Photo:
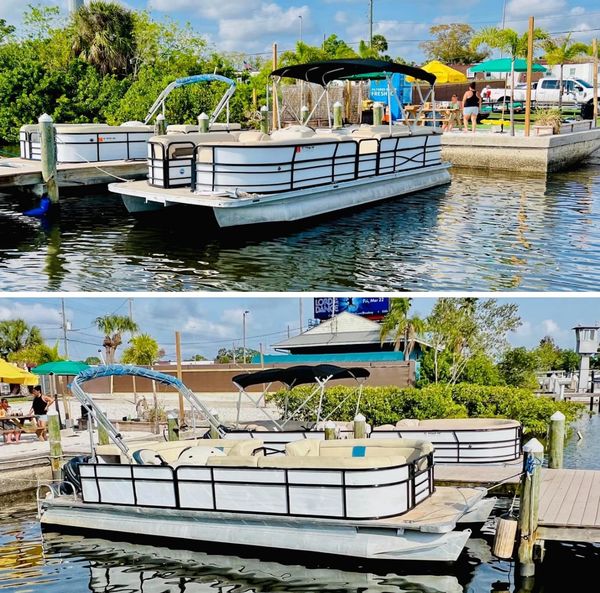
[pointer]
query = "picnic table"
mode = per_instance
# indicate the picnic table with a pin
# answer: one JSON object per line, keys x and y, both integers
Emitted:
{"x": 446, "y": 114}
{"x": 18, "y": 420}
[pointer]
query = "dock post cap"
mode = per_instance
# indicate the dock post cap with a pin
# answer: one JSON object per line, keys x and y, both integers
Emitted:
{"x": 359, "y": 418}
{"x": 160, "y": 117}
{"x": 264, "y": 108}
{"x": 557, "y": 416}
{"x": 533, "y": 446}
{"x": 203, "y": 116}
{"x": 45, "y": 119}
{"x": 329, "y": 424}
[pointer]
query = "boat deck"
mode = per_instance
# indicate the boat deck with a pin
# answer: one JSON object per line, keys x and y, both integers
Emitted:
{"x": 172, "y": 195}
{"x": 17, "y": 173}
{"x": 441, "y": 510}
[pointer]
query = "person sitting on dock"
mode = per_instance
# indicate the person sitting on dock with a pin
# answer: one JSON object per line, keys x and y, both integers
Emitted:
{"x": 39, "y": 407}
{"x": 471, "y": 106}
{"x": 453, "y": 114}
{"x": 9, "y": 429}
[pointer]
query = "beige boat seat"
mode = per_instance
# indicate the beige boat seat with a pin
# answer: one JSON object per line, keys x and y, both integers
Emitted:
{"x": 409, "y": 448}
{"x": 197, "y": 455}
{"x": 253, "y": 136}
{"x": 302, "y": 448}
{"x": 182, "y": 145}
{"x": 233, "y": 461}
{"x": 407, "y": 423}
{"x": 318, "y": 462}
{"x": 194, "y": 128}
{"x": 385, "y": 427}
{"x": 293, "y": 133}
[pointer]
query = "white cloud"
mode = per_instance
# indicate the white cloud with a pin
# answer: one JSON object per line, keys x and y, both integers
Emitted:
{"x": 32, "y": 313}
{"x": 524, "y": 330}
{"x": 207, "y": 329}
{"x": 538, "y": 8}
{"x": 341, "y": 17}
{"x": 551, "y": 328}
{"x": 207, "y": 8}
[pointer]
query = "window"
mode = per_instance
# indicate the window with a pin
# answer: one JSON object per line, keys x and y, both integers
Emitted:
{"x": 550, "y": 84}
{"x": 572, "y": 71}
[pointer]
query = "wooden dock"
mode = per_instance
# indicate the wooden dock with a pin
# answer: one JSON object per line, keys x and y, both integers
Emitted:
{"x": 569, "y": 508}
{"x": 569, "y": 504}
{"x": 17, "y": 173}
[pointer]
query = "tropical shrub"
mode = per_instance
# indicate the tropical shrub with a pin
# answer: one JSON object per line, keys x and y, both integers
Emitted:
{"x": 387, "y": 405}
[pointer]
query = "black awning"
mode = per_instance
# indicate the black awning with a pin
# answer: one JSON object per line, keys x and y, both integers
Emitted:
{"x": 324, "y": 72}
{"x": 300, "y": 375}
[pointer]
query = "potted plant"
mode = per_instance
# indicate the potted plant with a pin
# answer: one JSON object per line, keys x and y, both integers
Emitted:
{"x": 547, "y": 121}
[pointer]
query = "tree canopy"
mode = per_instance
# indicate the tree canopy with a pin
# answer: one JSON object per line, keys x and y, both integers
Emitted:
{"x": 113, "y": 327}
{"x": 143, "y": 349}
{"x": 451, "y": 44}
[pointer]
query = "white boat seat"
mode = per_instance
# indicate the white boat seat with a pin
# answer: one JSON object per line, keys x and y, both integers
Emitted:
{"x": 233, "y": 461}
{"x": 197, "y": 455}
{"x": 317, "y": 462}
{"x": 293, "y": 132}
{"x": 148, "y": 457}
{"x": 385, "y": 427}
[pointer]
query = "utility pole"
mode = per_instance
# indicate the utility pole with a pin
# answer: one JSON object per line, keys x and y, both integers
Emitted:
{"x": 64, "y": 328}
{"x": 130, "y": 309}
{"x": 529, "y": 71}
{"x": 179, "y": 374}
{"x": 300, "y": 311}
{"x": 244, "y": 335}
{"x": 370, "y": 27}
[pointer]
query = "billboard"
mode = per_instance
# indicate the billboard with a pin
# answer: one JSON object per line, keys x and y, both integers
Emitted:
{"x": 378, "y": 92}
{"x": 373, "y": 308}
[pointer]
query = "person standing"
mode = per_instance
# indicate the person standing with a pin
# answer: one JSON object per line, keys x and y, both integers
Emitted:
{"x": 471, "y": 106}
{"x": 39, "y": 408}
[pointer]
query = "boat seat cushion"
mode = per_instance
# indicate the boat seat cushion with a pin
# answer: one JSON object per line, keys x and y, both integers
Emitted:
{"x": 303, "y": 448}
{"x": 246, "y": 447}
{"x": 233, "y": 461}
{"x": 293, "y": 132}
{"x": 407, "y": 423}
{"x": 197, "y": 455}
{"x": 253, "y": 136}
{"x": 148, "y": 457}
{"x": 314, "y": 462}
{"x": 407, "y": 448}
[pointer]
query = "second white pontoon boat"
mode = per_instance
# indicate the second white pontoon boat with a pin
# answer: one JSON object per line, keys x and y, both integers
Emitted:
{"x": 295, "y": 172}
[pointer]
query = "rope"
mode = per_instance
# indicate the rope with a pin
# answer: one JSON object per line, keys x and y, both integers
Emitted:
{"x": 504, "y": 480}
{"x": 98, "y": 167}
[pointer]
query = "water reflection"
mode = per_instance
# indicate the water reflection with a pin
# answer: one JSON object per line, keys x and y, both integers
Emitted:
{"x": 484, "y": 231}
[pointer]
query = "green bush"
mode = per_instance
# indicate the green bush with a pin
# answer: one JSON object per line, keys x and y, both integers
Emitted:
{"x": 387, "y": 405}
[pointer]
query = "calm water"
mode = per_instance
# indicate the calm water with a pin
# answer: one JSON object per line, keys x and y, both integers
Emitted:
{"x": 481, "y": 232}
{"x": 56, "y": 563}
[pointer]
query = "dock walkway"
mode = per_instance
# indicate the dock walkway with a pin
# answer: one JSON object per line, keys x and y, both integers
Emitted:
{"x": 17, "y": 173}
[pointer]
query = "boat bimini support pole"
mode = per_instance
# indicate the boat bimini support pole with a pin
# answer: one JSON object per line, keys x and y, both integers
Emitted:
{"x": 256, "y": 403}
{"x": 118, "y": 369}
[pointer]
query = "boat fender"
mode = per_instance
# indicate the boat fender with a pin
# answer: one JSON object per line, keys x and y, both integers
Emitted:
{"x": 42, "y": 210}
{"x": 504, "y": 539}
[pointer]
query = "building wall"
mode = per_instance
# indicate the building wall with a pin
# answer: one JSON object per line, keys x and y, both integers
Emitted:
{"x": 217, "y": 378}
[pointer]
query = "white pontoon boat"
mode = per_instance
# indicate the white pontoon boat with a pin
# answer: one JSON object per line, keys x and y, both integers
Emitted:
{"x": 295, "y": 172}
{"x": 460, "y": 440}
{"x": 353, "y": 498}
{"x": 94, "y": 143}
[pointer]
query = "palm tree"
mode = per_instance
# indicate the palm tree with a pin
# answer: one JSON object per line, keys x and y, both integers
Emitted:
{"x": 515, "y": 45}
{"x": 16, "y": 334}
{"x": 559, "y": 52}
{"x": 113, "y": 327}
{"x": 143, "y": 350}
{"x": 103, "y": 35}
{"x": 404, "y": 328}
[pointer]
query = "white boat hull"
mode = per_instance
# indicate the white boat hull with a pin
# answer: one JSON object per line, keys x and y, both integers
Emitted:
{"x": 319, "y": 537}
{"x": 285, "y": 206}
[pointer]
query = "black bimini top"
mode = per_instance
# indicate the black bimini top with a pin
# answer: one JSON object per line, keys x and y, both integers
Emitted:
{"x": 324, "y": 72}
{"x": 299, "y": 375}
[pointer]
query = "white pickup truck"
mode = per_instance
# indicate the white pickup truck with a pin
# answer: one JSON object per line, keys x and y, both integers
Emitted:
{"x": 576, "y": 92}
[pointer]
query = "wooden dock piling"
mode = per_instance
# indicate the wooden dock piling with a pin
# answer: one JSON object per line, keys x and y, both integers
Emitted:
{"x": 214, "y": 431}
{"x": 337, "y": 115}
{"x": 360, "y": 427}
{"x": 556, "y": 440}
{"x": 56, "y": 452}
{"x": 377, "y": 114}
{"x": 48, "y": 157}
{"x": 329, "y": 430}
{"x": 160, "y": 128}
{"x": 203, "y": 123}
{"x": 533, "y": 457}
{"x": 264, "y": 119}
{"x": 172, "y": 427}
{"x": 102, "y": 435}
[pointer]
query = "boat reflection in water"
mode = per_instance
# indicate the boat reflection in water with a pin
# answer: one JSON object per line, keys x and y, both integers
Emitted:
{"x": 135, "y": 568}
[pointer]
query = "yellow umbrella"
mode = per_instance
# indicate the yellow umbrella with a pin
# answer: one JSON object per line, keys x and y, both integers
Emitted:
{"x": 12, "y": 374}
{"x": 444, "y": 74}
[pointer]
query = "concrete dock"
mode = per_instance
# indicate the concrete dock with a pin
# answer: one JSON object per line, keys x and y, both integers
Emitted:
{"x": 535, "y": 154}
{"x": 19, "y": 174}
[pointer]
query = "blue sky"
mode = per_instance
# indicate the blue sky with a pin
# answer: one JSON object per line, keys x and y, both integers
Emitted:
{"x": 251, "y": 26}
{"x": 208, "y": 323}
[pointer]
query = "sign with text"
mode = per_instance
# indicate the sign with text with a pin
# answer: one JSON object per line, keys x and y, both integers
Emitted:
{"x": 373, "y": 308}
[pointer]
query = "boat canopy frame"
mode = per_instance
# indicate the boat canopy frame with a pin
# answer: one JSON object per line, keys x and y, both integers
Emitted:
{"x": 326, "y": 72}
{"x": 119, "y": 370}
{"x": 319, "y": 375}
{"x": 197, "y": 78}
